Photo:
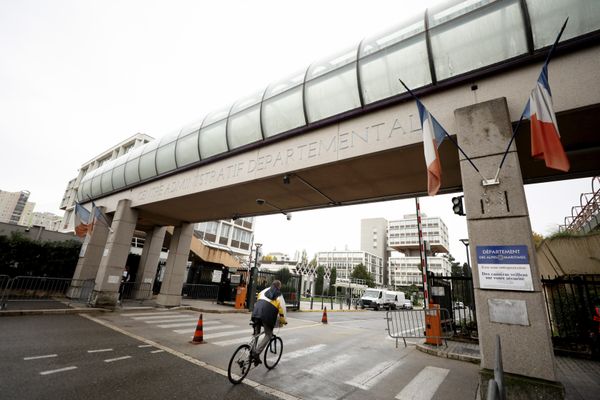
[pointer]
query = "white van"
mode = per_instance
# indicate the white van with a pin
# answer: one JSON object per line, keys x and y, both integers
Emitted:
{"x": 373, "y": 298}
{"x": 393, "y": 300}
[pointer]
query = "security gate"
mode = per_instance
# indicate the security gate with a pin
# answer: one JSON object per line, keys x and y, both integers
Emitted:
{"x": 455, "y": 294}
{"x": 290, "y": 286}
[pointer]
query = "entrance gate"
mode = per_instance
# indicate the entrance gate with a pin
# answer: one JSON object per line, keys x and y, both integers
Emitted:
{"x": 290, "y": 286}
{"x": 455, "y": 293}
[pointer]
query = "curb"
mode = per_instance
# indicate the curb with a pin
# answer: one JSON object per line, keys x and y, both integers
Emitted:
{"x": 452, "y": 356}
{"x": 208, "y": 311}
{"x": 56, "y": 311}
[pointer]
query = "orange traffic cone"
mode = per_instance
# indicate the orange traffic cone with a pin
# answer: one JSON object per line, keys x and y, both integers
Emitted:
{"x": 198, "y": 334}
{"x": 324, "y": 319}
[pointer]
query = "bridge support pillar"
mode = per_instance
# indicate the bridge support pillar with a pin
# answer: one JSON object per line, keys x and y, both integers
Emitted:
{"x": 89, "y": 260}
{"x": 497, "y": 215}
{"x": 179, "y": 253}
{"x": 114, "y": 256}
{"x": 149, "y": 261}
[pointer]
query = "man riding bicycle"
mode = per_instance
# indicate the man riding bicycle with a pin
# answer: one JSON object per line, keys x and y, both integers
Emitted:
{"x": 269, "y": 312}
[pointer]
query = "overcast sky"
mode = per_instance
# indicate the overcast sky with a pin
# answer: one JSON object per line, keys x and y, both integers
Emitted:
{"x": 78, "y": 77}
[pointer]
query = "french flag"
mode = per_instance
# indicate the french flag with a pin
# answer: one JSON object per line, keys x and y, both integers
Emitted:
{"x": 545, "y": 139}
{"x": 433, "y": 136}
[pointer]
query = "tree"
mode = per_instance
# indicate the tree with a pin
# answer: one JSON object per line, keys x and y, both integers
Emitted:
{"x": 360, "y": 272}
{"x": 537, "y": 239}
{"x": 332, "y": 278}
{"x": 455, "y": 266}
{"x": 283, "y": 275}
{"x": 320, "y": 280}
{"x": 268, "y": 259}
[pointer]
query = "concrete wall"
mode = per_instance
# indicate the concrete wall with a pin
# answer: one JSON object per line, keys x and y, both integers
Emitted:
{"x": 569, "y": 256}
{"x": 37, "y": 233}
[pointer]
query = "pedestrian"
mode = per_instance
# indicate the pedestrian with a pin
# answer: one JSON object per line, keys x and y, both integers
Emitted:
{"x": 125, "y": 277}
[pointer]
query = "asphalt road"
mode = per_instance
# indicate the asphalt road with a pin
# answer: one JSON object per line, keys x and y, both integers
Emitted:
{"x": 71, "y": 357}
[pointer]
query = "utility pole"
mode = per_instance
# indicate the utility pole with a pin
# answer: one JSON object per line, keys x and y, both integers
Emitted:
{"x": 252, "y": 279}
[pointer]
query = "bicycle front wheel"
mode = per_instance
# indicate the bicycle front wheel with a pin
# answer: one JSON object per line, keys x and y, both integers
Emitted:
{"x": 239, "y": 365}
{"x": 273, "y": 352}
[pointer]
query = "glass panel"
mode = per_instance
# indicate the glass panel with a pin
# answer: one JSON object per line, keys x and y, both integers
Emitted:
{"x": 212, "y": 140}
{"x": 392, "y": 36}
{"x": 170, "y": 137}
{"x": 186, "y": 130}
{"x": 332, "y": 94}
{"x": 118, "y": 176}
{"x": 132, "y": 166}
{"x": 106, "y": 182}
{"x": 451, "y": 10}
{"x": 85, "y": 191}
{"x": 244, "y": 127}
{"x": 147, "y": 165}
{"x": 97, "y": 182}
{"x": 283, "y": 112}
{"x": 187, "y": 151}
{"x": 484, "y": 37}
{"x": 547, "y": 17}
{"x": 406, "y": 60}
{"x": 329, "y": 64}
{"x": 246, "y": 102}
{"x": 165, "y": 158}
{"x": 216, "y": 116}
{"x": 285, "y": 84}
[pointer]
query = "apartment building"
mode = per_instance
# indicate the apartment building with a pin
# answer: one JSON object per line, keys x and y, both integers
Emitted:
{"x": 14, "y": 207}
{"x": 345, "y": 261}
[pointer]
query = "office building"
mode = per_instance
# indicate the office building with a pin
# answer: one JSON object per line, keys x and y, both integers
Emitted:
{"x": 345, "y": 261}
{"x": 14, "y": 207}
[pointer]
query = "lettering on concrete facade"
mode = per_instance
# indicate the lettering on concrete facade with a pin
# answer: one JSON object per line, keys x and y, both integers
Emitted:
{"x": 504, "y": 268}
{"x": 323, "y": 146}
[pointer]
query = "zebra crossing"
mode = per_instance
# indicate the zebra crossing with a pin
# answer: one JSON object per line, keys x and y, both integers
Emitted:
{"x": 423, "y": 385}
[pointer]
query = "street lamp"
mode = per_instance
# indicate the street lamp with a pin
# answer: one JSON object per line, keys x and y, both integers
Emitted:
{"x": 466, "y": 243}
{"x": 252, "y": 279}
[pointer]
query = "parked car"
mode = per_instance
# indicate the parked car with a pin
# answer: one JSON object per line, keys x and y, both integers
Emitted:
{"x": 459, "y": 305}
{"x": 393, "y": 300}
{"x": 407, "y": 305}
{"x": 372, "y": 298}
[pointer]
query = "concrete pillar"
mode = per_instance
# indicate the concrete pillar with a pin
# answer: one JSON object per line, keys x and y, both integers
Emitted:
{"x": 149, "y": 262}
{"x": 179, "y": 252}
{"x": 89, "y": 260}
{"x": 497, "y": 215}
{"x": 114, "y": 256}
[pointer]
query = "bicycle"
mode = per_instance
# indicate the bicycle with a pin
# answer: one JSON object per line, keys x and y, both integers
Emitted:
{"x": 241, "y": 361}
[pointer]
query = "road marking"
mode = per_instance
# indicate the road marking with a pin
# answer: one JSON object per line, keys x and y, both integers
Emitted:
{"x": 328, "y": 366}
{"x": 39, "y": 357}
{"x": 210, "y": 328}
{"x": 147, "y": 314}
{"x": 99, "y": 350}
{"x": 145, "y": 345}
{"x": 117, "y": 359}
{"x": 157, "y": 351}
{"x": 54, "y": 371}
{"x": 249, "y": 382}
{"x": 369, "y": 378}
{"x": 189, "y": 323}
{"x": 424, "y": 385}
{"x": 170, "y": 319}
{"x": 302, "y": 352}
{"x": 229, "y": 333}
{"x": 159, "y": 317}
{"x": 230, "y": 342}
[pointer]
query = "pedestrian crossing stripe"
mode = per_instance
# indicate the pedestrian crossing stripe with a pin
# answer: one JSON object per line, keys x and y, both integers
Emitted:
{"x": 369, "y": 378}
{"x": 424, "y": 385}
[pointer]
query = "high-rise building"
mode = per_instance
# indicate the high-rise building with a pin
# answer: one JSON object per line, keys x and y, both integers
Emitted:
{"x": 12, "y": 206}
{"x": 50, "y": 221}
{"x": 345, "y": 261}
{"x": 373, "y": 239}
{"x": 232, "y": 235}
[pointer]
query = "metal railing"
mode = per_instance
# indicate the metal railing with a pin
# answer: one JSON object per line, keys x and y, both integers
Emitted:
{"x": 496, "y": 389}
{"x": 200, "y": 291}
{"x": 39, "y": 288}
{"x": 333, "y": 302}
{"x": 412, "y": 324}
{"x": 135, "y": 291}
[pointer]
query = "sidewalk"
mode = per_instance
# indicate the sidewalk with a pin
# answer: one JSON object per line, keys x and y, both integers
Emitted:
{"x": 580, "y": 377}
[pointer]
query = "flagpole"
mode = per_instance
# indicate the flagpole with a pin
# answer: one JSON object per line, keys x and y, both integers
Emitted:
{"x": 545, "y": 65}
{"x": 446, "y": 133}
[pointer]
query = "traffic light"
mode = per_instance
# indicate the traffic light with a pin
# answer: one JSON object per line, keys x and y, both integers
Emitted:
{"x": 457, "y": 205}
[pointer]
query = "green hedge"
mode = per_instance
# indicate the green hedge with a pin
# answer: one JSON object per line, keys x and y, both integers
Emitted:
{"x": 22, "y": 256}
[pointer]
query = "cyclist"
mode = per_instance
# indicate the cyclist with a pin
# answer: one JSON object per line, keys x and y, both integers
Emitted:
{"x": 269, "y": 312}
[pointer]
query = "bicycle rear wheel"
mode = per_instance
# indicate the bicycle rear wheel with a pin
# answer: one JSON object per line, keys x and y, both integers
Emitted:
{"x": 239, "y": 365}
{"x": 273, "y": 352}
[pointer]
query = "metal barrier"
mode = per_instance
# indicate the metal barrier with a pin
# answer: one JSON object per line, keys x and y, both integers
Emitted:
{"x": 135, "y": 291}
{"x": 411, "y": 324}
{"x": 496, "y": 389}
{"x": 333, "y": 302}
{"x": 39, "y": 288}
{"x": 200, "y": 291}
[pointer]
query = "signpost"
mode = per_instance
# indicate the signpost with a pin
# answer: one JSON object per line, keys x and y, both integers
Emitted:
{"x": 504, "y": 268}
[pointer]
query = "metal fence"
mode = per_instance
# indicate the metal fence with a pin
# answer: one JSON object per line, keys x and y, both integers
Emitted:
{"x": 455, "y": 293}
{"x": 38, "y": 288}
{"x": 571, "y": 303}
{"x": 434, "y": 324}
{"x": 135, "y": 291}
{"x": 331, "y": 302}
{"x": 200, "y": 291}
{"x": 290, "y": 288}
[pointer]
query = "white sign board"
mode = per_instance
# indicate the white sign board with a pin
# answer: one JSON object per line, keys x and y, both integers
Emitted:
{"x": 504, "y": 268}
{"x": 216, "y": 276}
